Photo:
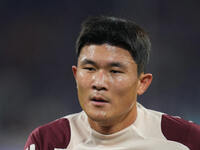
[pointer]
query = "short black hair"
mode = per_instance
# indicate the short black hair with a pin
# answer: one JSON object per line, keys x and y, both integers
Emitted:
{"x": 116, "y": 32}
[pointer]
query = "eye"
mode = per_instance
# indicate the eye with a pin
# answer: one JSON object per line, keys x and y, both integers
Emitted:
{"x": 89, "y": 68}
{"x": 115, "y": 71}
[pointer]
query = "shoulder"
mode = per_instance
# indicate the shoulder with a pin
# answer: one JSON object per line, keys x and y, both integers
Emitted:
{"x": 182, "y": 131}
{"x": 55, "y": 134}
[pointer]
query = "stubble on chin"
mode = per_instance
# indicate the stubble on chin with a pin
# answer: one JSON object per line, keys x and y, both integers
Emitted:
{"x": 98, "y": 115}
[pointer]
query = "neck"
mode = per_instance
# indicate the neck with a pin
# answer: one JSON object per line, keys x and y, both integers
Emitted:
{"x": 115, "y": 125}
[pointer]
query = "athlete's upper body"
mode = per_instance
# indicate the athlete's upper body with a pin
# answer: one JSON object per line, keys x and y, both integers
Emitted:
{"x": 150, "y": 131}
{"x": 110, "y": 74}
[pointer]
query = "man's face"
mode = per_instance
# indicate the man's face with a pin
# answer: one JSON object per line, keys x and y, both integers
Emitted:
{"x": 107, "y": 82}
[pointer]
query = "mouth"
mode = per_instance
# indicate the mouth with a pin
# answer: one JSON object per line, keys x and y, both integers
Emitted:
{"x": 99, "y": 100}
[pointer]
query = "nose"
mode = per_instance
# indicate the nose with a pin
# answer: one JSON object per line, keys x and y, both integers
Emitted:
{"x": 100, "y": 81}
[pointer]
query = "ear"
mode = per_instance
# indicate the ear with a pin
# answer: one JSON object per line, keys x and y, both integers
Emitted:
{"x": 144, "y": 83}
{"x": 74, "y": 70}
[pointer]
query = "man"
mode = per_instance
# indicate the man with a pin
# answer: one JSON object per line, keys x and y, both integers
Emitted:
{"x": 110, "y": 74}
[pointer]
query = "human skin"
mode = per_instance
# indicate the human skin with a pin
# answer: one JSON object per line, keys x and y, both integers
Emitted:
{"x": 108, "y": 85}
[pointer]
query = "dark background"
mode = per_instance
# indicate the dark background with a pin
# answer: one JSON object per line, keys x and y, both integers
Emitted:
{"x": 37, "y": 50}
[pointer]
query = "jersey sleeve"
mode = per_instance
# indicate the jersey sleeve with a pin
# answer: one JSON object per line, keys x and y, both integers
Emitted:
{"x": 52, "y": 135}
{"x": 33, "y": 141}
{"x": 182, "y": 131}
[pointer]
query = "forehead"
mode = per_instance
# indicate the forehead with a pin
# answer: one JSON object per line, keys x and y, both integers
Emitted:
{"x": 105, "y": 53}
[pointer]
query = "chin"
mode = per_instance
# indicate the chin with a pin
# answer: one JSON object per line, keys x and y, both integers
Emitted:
{"x": 98, "y": 116}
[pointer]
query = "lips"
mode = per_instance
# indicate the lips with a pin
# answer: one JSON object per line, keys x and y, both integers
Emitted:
{"x": 99, "y": 99}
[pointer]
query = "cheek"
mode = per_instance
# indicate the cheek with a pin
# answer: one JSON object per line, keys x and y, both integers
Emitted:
{"x": 124, "y": 86}
{"x": 82, "y": 80}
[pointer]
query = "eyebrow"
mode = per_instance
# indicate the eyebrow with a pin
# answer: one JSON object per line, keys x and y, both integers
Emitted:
{"x": 116, "y": 64}
{"x": 112, "y": 64}
{"x": 87, "y": 61}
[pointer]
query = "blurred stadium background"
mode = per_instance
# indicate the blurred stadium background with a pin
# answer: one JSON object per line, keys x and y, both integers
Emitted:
{"x": 37, "y": 50}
